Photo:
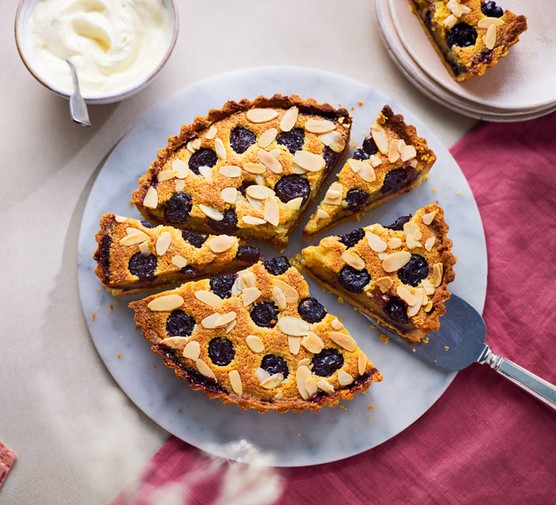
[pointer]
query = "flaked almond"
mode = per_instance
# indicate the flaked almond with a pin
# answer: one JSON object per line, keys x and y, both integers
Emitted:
{"x": 181, "y": 168}
{"x": 312, "y": 342}
{"x": 174, "y": 342}
{"x": 221, "y": 243}
{"x": 256, "y": 204}
{"x": 334, "y": 194}
{"x": 231, "y": 171}
{"x": 302, "y": 374}
{"x": 250, "y": 295}
{"x": 311, "y": 386}
{"x": 304, "y": 361}
{"x": 230, "y": 326}
{"x": 344, "y": 378}
{"x": 273, "y": 381}
{"x": 229, "y": 195}
{"x": 319, "y": 125}
{"x": 163, "y": 243}
{"x": 209, "y": 298}
{"x": 279, "y": 298}
{"x": 261, "y": 115}
{"x": 375, "y": 242}
{"x": 119, "y": 219}
{"x": 270, "y": 162}
{"x": 211, "y": 212}
{"x": 211, "y": 133}
{"x": 134, "y": 238}
{"x": 429, "y": 217}
{"x": 166, "y": 175}
{"x": 343, "y": 340}
{"x": 384, "y": 283}
{"x": 298, "y": 170}
{"x": 289, "y": 119}
{"x": 247, "y": 280}
{"x": 180, "y": 185}
{"x": 254, "y": 168}
{"x": 295, "y": 204}
{"x": 254, "y": 343}
{"x": 490, "y": 37}
{"x": 193, "y": 145}
{"x": 412, "y": 310}
{"x": 179, "y": 261}
{"x": 165, "y": 303}
{"x": 353, "y": 260}
{"x": 309, "y": 161}
{"x": 235, "y": 382}
{"x": 374, "y": 160}
{"x": 261, "y": 374}
{"x": 294, "y": 345}
{"x": 225, "y": 319}
{"x": 293, "y": 326}
{"x": 322, "y": 214}
{"x": 325, "y": 386}
{"x": 271, "y": 211}
{"x": 209, "y": 321}
{"x": 488, "y": 21}
{"x": 267, "y": 137}
{"x": 337, "y": 324}
{"x": 395, "y": 242}
{"x": 428, "y": 287}
{"x": 151, "y": 198}
{"x": 204, "y": 369}
{"x": 379, "y": 136}
{"x": 291, "y": 294}
{"x": 205, "y": 172}
{"x": 144, "y": 248}
{"x": 396, "y": 260}
{"x": 361, "y": 363}
{"x": 450, "y": 21}
{"x": 220, "y": 148}
{"x": 393, "y": 152}
{"x": 192, "y": 350}
{"x": 408, "y": 153}
{"x": 253, "y": 220}
{"x": 367, "y": 173}
{"x": 334, "y": 140}
{"x": 437, "y": 273}
{"x": 406, "y": 295}
{"x": 429, "y": 243}
{"x": 259, "y": 192}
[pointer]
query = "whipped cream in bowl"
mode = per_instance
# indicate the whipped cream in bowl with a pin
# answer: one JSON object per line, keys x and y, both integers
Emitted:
{"x": 117, "y": 46}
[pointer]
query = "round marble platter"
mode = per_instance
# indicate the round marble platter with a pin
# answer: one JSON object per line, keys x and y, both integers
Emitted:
{"x": 409, "y": 387}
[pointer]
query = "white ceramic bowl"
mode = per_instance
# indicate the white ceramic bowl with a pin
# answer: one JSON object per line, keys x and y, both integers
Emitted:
{"x": 22, "y": 38}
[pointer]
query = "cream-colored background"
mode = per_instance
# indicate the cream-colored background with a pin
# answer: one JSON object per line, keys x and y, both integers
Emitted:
{"x": 78, "y": 438}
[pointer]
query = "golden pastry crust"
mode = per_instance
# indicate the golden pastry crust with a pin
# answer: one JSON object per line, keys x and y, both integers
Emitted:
{"x": 395, "y": 145}
{"x": 167, "y": 256}
{"x": 381, "y": 253}
{"x": 217, "y": 197}
{"x": 243, "y": 380}
{"x": 491, "y": 44}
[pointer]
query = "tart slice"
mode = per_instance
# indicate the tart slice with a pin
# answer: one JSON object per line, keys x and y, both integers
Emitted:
{"x": 250, "y": 168}
{"x": 391, "y": 161}
{"x": 256, "y": 339}
{"x": 133, "y": 255}
{"x": 469, "y": 35}
{"x": 395, "y": 274}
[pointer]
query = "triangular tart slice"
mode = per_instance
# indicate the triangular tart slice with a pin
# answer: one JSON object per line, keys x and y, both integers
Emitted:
{"x": 396, "y": 274}
{"x": 249, "y": 169}
{"x": 256, "y": 339}
{"x": 135, "y": 255}
{"x": 391, "y": 161}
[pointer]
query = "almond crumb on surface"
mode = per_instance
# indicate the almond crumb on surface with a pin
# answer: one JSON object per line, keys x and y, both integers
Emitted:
{"x": 93, "y": 316}
{"x": 298, "y": 435}
{"x": 446, "y": 347}
{"x": 458, "y": 192}
{"x": 433, "y": 190}
{"x": 360, "y": 103}
{"x": 384, "y": 338}
{"x": 425, "y": 340}
{"x": 120, "y": 356}
{"x": 371, "y": 407}
{"x": 343, "y": 407}
{"x": 340, "y": 299}
{"x": 110, "y": 308}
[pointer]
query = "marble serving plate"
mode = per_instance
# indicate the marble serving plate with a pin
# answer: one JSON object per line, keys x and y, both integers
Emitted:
{"x": 409, "y": 387}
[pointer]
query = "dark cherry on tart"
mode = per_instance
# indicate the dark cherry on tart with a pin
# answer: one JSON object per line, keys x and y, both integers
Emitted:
{"x": 396, "y": 274}
{"x": 133, "y": 255}
{"x": 257, "y": 339}
{"x": 249, "y": 169}
{"x": 390, "y": 162}
{"x": 470, "y": 35}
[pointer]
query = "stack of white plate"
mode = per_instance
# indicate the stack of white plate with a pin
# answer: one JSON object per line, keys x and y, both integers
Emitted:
{"x": 521, "y": 86}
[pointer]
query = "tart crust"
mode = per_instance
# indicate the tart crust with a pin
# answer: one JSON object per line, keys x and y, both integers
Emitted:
{"x": 376, "y": 252}
{"x": 255, "y": 218}
{"x": 242, "y": 381}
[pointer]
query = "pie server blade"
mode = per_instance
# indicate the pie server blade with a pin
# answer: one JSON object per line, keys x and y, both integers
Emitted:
{"x": 461, "y": 341}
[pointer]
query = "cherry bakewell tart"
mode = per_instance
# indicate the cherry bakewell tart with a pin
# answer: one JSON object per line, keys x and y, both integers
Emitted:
{"x": 391, "y": 161}
{"x": 469, "y": 35}
{"x": 134, "y": 255}
{"x": 395, "y": 274}
{"x": 257, "y": 339}
{"x": 249, "y": 169}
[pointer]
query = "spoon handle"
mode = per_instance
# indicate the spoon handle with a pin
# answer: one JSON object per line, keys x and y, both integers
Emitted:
{"x": 528, "y": 381}
{"x": 78, "y": 107}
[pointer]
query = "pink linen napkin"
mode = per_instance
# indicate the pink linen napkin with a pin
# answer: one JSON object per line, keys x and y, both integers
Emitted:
{"x": 485, "y": 440}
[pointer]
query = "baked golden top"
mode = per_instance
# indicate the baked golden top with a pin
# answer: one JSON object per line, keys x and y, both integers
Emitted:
{"x": 256, "y": 339}
{"x": 249, "y": 168}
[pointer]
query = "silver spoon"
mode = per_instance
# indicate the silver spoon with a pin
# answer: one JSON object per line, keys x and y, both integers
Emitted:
{"x": 461, "y": 340}
{"x": 78, "y": 107}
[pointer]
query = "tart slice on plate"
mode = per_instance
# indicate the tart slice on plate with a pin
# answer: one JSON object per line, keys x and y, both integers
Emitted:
{"x": 249, "y": 169}
{"x": 469, "y": 35}
{"x": 134, "y": 255}
{"x": 395, "y": 274}
{"x": 391, "y": 161}
{"x": 256, "y": 339}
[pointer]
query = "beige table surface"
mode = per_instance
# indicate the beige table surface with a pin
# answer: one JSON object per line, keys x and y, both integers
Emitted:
{"x": 78, "y": 438}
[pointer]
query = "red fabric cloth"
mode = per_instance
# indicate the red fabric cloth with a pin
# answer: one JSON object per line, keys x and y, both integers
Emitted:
{"x": 485, "y": 440}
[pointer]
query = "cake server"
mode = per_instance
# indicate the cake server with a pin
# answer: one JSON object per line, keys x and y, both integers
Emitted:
{"x": 461, "y": 341}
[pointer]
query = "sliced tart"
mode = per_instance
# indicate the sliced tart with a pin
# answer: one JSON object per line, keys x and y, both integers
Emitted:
{"x": 469, "y": 35}
{"x": 249, "y": 169}
{"x": 134, "y": 255}
{"x": 395, "y": 274}
{"x": 391, "y": 161}
{"x": 256, "y": 339}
